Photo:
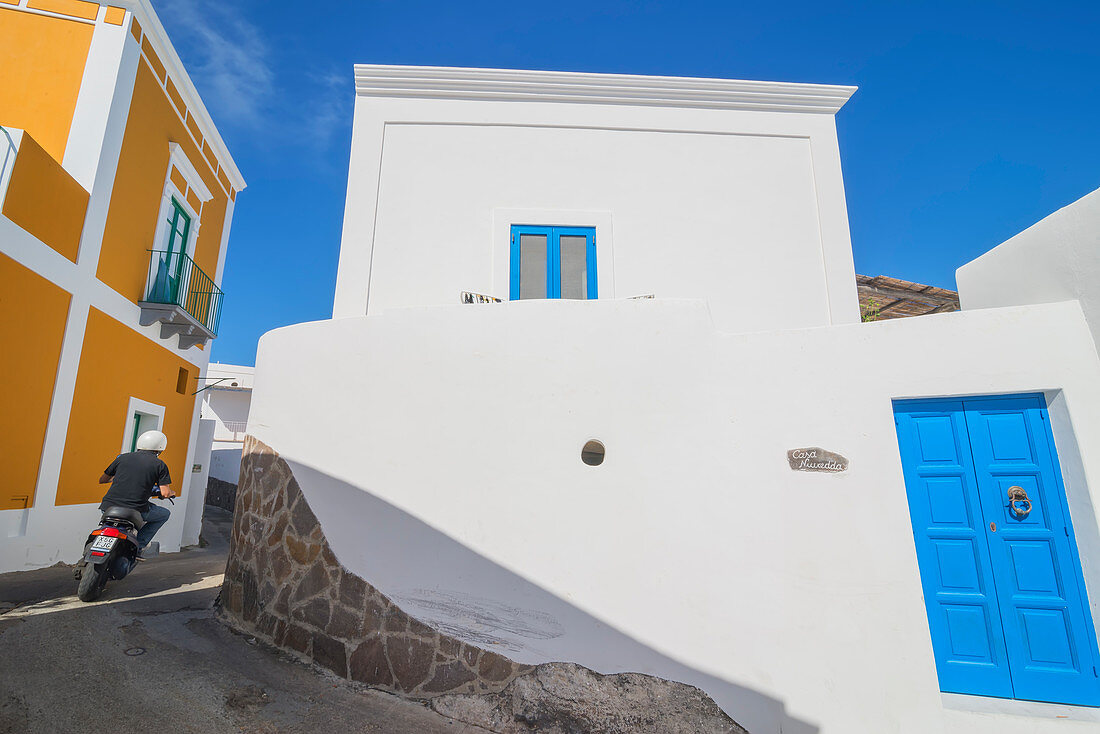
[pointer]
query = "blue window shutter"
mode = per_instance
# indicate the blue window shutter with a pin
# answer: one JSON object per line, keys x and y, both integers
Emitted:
{"x": 553, "y": 257}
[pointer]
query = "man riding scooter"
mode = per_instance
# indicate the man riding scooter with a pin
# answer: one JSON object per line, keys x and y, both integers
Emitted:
{"x": 135, "y": 478}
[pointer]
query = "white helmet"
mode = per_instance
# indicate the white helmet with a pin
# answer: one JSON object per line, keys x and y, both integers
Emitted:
{"x": 152, "y": 441}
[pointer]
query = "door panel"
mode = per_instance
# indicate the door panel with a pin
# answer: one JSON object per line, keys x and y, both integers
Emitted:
{"x": 956, "y": 573}
{"x": 1043, "y": 610}
{"x": 960, "y": 458}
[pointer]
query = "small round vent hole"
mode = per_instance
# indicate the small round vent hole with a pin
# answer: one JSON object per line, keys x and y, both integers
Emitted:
{"x": 592, "y": 453}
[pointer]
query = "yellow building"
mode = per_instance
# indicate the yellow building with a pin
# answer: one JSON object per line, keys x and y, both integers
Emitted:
{"x": 116, "y": 197}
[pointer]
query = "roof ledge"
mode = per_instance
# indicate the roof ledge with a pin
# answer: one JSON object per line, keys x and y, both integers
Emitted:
{"x": 444, "y": 82}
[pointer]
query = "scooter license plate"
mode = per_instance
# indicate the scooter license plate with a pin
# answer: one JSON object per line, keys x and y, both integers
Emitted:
{"x": 104, "y": 543}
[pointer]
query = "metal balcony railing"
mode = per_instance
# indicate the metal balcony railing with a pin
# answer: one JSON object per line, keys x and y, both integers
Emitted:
{"x": 175, "y": 278}
{"x": 237, "y": 428}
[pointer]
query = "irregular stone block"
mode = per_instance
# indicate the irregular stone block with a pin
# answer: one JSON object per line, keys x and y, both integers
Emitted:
{"x": 266, "y": 624}
{"x": 312, "y": 583}
{"x": 314, "y": 612}
{"x": 330, "y": 653}
{"x": 293, "y": 492}
{"x": 495, "y": 668}
{"x": 281, "y": 605}
{"x": 297, "y": 638}
{"x": 419, "y": 629}
{"x": 410, "y": 660}
{"x": 249, "y": 593}
{"x": 448, "y": 677}
{"x": 353, "y": 590}
{"x": 368, "y": 664}
{"x": 302, "y": 553}
{"x": 280, "y": 565}
{"x": 302, "y": 518}
{"x": 276, "y": 535}
{"x": 344, "y": 625}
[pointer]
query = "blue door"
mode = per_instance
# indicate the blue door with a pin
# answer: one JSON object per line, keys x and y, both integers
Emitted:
{"x": 1002, "y": 582}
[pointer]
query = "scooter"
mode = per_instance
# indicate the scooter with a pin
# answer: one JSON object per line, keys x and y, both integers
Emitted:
{"x": 111, "y": 550}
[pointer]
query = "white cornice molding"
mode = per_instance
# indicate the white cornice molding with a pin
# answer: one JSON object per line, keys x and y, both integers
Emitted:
{"x": 563, "y": 86}
{"x": 151, "y": 25}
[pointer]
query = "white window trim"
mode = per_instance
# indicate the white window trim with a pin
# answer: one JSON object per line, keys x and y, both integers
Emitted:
{"x": 137, "y": 405}
{"x": 501, "y": 246}
{"x": 178, "y": 159}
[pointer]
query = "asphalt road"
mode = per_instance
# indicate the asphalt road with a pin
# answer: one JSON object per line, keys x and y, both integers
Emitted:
{"x": 150, "y": 656}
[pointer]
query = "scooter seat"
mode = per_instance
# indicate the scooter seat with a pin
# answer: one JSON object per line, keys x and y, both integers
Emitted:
{"x": 125, "y": 513}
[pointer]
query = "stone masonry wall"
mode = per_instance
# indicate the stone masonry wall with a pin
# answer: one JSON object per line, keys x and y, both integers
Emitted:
{"x": 221, "y": 493}
{"x": 284, "y": 585}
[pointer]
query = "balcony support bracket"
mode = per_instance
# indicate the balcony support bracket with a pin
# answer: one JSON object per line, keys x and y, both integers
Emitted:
{"x": 174, "y": 321}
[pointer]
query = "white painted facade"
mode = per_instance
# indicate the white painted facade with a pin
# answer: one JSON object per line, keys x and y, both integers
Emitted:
{"x": 227, "y": 395}
{"x": 680, "y": 184}
{"x": 1056, "y": 259}
{"x": 449, "y": 475}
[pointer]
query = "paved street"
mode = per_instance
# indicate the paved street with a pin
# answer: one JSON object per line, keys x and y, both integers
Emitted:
{"x": 149, "y": 656}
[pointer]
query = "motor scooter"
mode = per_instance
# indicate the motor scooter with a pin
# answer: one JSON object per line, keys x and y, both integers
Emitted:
{"x": 111, "y": 550}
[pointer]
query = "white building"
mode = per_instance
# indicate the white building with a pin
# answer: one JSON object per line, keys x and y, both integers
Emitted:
{"x": 227, "y": 393}
{"x": 1057, "y": 259}
{"x": 440, "y": 444}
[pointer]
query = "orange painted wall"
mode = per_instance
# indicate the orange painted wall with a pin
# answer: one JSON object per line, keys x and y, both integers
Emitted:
{"x": 118, "y": 363}
{"x": 45, "y": 200}
{"x": 139, "y": 183}
{"x": 43, "y": 63}
{"x": 33, "y": 312}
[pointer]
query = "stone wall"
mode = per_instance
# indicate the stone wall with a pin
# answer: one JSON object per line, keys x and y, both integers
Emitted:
{"x": 221, "y": 493}
{"x": 284, "y": 585}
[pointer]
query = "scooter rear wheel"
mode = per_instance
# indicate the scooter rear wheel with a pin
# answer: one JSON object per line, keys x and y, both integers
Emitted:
{"x": 92, "y": 582}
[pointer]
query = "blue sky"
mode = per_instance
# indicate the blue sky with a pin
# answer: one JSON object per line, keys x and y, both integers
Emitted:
{"x": 972, "y": 121}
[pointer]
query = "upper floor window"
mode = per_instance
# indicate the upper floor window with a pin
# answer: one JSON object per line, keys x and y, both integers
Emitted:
{"x": 553, "y": 262}
{"x": 179, "y": 226}
{"x": 169, "y": 258}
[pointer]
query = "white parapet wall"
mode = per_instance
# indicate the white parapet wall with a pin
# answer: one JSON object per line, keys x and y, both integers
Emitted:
{"x": 448, "y": 474}
{"x": 1056, "y": 259}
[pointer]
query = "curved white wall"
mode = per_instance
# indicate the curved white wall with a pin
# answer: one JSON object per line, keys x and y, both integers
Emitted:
{"x": 449, "y": 475}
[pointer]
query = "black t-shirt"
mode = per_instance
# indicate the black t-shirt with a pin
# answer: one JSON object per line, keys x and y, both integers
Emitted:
{"x": 135, "y": 474}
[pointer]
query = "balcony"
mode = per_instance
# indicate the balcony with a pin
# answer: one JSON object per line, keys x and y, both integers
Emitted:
{"x": 182, "y": 298}
{"x": 235, "y": 429}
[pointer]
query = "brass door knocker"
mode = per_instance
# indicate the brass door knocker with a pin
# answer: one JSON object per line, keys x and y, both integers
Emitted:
{"x": 1019, "y": 502}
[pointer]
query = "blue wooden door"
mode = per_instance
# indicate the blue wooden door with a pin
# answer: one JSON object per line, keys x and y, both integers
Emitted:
{"x": 1002, "y": 581}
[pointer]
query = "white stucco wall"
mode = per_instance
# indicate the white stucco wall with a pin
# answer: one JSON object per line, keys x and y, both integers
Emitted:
{"x": 1056, "y": 259}
{"x": 449, "y": 475}
{"x": 707, "y": 193}
{"x": 195, "y": 497}
{"x": 225, "y": 461}
{"x": 226, "y": 401}
{"x": 228, "y": 408}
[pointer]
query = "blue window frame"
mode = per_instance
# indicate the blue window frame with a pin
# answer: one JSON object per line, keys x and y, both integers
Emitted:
{"x": 553, "y": 262}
